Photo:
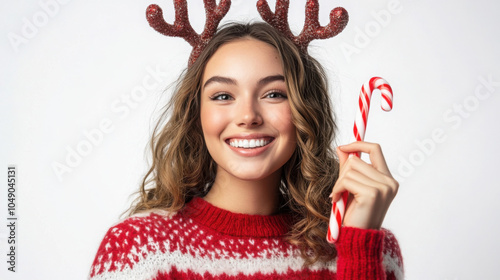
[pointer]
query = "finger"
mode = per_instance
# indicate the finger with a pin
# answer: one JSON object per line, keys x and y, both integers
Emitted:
{"x": 373, "y": 150}
{"x": 363, "y": 178}
{"x": 352, "y": 176}
{"x": 344, "y": 158}
{"x": 368, "y": 170}
{"x": 355, "y": 186}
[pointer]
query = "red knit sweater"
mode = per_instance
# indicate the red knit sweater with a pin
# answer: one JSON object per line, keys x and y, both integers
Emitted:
{"x": 206, "y": 242}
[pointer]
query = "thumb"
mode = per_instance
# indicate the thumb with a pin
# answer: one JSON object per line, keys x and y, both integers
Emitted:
{"x": 343, "y": 156}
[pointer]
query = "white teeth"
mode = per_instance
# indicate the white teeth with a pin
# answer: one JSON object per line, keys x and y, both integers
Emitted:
{"x": 248, "y": 144}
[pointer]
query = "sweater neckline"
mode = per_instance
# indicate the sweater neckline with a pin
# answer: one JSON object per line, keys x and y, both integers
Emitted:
{"x": 236, "y": 224}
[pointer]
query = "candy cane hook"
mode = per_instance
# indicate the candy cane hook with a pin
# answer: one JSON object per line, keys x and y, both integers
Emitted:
{"x": 338, "y": 208}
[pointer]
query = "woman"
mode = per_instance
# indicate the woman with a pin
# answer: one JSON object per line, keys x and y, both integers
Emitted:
{"x": 241, "y": 175}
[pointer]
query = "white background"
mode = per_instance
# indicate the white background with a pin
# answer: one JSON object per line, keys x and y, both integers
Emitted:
{"x": 68, "y": 66}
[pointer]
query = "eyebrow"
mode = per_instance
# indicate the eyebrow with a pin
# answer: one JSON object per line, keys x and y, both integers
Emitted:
{"x": 230, "y": 81}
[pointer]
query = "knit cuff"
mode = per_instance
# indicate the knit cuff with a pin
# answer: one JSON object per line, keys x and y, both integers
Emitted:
{"x": 360, "y": 253}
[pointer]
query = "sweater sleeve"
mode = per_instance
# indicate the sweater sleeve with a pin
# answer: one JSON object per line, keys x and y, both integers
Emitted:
{"x": 111, "y": 255}
{"x": 368, "y": 254}
{"x": 120, "y": 249}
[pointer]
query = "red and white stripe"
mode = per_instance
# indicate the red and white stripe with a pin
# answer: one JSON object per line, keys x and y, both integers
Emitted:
{"x": 375, "y": 83}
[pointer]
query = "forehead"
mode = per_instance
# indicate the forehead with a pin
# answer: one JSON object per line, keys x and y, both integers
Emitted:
{"x": 244, "y": 58}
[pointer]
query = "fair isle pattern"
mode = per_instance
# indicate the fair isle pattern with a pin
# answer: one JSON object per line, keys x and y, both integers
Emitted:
{"x": 393, "y": 259}
{"x": 159, "y": 245}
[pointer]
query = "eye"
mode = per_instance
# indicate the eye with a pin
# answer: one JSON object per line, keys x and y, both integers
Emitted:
{"x": 276, "y": 94}
{"x": 221, "y": 97}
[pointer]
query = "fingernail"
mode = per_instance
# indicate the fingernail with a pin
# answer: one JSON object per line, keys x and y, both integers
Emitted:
{"x": 334, "y": 198}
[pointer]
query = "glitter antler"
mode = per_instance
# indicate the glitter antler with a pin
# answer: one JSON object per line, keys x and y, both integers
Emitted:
{"x": 182, "y": 28}
{"x": 312, "y": 29}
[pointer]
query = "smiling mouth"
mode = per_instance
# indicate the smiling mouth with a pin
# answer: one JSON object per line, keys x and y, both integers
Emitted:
{"x": 249, "y": 143}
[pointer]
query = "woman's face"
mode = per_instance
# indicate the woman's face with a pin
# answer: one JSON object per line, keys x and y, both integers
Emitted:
{"x": 245, "y": 114}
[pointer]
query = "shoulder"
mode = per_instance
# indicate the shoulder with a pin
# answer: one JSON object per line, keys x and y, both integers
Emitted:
{"x": 132, "y": 229}
{"x": 131, "y": 240}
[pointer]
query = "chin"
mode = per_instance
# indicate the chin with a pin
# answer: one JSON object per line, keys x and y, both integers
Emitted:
{"x": 252, "y": 176}
{"x": 250, "y": 172}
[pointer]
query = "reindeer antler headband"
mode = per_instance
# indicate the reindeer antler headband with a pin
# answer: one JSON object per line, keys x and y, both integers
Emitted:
{"x": 214, "y": 13}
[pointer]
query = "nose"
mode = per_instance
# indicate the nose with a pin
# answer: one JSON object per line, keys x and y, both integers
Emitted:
{"x": 248, "y": 113}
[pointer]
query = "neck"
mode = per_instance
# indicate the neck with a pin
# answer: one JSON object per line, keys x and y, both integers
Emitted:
{"x": 255, "y": 197}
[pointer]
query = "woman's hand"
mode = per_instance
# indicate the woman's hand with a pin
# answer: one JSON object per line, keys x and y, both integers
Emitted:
{"x": 371, "y": 186}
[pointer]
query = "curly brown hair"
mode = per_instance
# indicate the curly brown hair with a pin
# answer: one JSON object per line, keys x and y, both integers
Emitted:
{"x": 182, "y": 168}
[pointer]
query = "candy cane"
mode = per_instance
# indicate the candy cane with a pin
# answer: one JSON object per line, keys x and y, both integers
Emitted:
{"x": 338, "y": 208}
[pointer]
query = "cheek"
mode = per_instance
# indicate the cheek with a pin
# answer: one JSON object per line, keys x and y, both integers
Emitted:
{"x": 211, "y": 121}
{"x": 282, "y": 120}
